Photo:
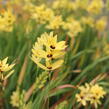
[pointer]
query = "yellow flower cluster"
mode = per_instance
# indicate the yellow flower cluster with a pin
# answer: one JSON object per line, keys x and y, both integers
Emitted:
{"x": 64, "y": 4}
{"x": 42, "y": 14}
{"x": 29, "y": 7}
{"x": 92, "y": 6}
{"x": 95, "y": 7}
{"x": 101, "y": 24}
{"x": 55, "y": 19}
{"x": 90, "y": 93}
{"x": 87, "y": 21}
{"x": 5, "y": 69}
{"x": 17, "y": 99}
{"x": 55, "y": 23}
{"x": 73, "y": 27}
{"x": 7, "y": 19}
{"x": 81, "y": 4}
{"x": 47, "y": 52}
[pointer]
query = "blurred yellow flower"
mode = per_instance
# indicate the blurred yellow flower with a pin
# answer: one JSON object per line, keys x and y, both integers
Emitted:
{"x": 50, "y": 50}
{"x": 42, "y": 14}
{"x": 95, "y": 7}
{"x": 15, "y": 99}
{"x": 97, "y": 93}
{"x": 29, "y": 7}
{"x": 82, "y": 4}
{"x": 83, "y": 96}
{"x": 88, "y": 21}
{"x": 90, "y": 93}
{"x": 72, "y": 26}
{"x": 4, "y": 67}
{"x": 64, "y": 4}
{"x": 7, "y": 19}
{"x": 55, "y": 23}
{"x": 101, "y": 24}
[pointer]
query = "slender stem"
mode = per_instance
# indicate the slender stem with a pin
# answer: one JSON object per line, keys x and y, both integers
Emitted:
{"x": 29, "y": 92}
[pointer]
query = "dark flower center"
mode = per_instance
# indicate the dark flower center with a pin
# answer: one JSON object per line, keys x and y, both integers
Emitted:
{"x": 53, "y": 47}
{"x": 49, "y": 67}
{"x": 49, "y": 55}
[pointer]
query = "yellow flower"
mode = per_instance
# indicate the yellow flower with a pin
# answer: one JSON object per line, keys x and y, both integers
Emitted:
{"x": 101, "y": 24}
{"x": 49, "y": 50}
{"x": 95, "y": 7}
{"x": 47, "y": 65}
{"x": 81, "y": 4}
{"x": 90, "y": 93}
{"x": 83, "y": 96}
{"x": 29, "y": 7}
{"x": 42, "y": 14}
{"x": 15, "y": 99}
{"x": 55, "y": 23}
{"x": 4, "y": 67}
{"x": 7, "y": 20}
{"x": 72, "y": 26}
{"x": 64, "y": 4}
{"x": 97, "y": 93}
{"x": 88, "y": 21}
{"x": 15, "y": 2}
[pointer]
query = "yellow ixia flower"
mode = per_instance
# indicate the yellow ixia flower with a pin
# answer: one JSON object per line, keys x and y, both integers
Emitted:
{"x": 82, "y": 4}
{"x": 97, "y": 93}
{"x": 7, "y": 20}
{"x": 64, "y": 4}
{"x": 42, "y": 14}
{"x": 101, "y": 24}
{"x": 83, "y": 96}
{"x": 15, "y": 99}
{"x": 72, "y": 26}
{"x": 55, "y": 23}
{"x": 47, "y": 65}
{"x": 90, "y": 93}
{"x": 29, "y": 7}
{"x": 87, "y": 21}
{"x": 49, "y": 50}
{"x": 4, "y": 67}
{"x": 95, "y": 7}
